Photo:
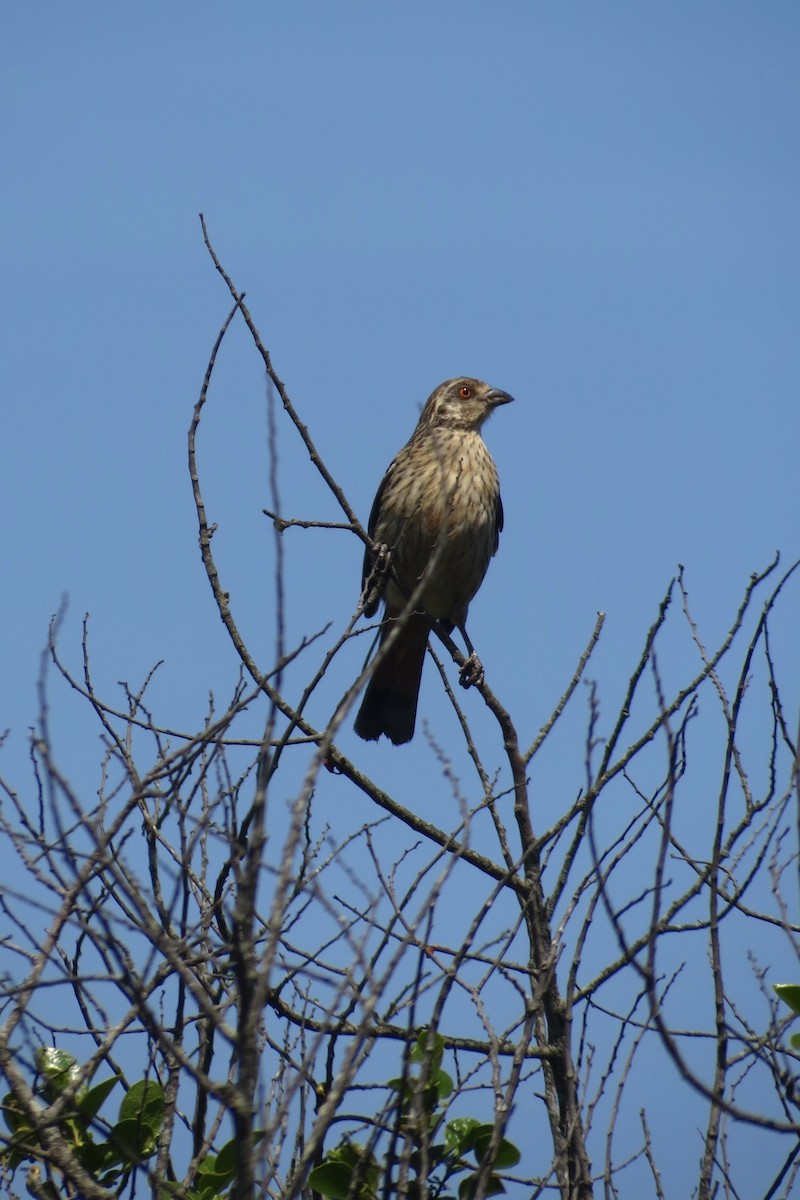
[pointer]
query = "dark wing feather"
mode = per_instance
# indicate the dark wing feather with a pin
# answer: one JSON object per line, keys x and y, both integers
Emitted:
{"x": 498, "y": 523}
{"x": 369, "y": 557}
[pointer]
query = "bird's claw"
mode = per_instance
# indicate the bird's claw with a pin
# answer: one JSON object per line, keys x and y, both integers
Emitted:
{"x": 471, "y": 674}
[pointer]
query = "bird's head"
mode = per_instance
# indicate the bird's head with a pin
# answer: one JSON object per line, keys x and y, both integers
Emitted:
{"x": 462, "y": 403}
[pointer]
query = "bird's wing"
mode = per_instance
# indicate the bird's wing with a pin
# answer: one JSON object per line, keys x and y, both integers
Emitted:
{"x": 372, "y": 523}
{"x": 498, "y": 522}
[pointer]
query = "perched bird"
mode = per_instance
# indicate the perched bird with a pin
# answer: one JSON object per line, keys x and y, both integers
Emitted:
{"x": 438, "y": 512}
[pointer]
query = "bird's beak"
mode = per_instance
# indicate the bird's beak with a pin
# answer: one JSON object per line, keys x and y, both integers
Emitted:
{"x": 495, "y": 398}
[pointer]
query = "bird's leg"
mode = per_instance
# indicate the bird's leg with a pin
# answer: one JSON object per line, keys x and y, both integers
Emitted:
{"x": 471, "y": 674}
{"x": 375, "y": 584}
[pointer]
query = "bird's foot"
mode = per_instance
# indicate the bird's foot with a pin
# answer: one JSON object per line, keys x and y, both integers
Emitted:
{"x": 471, "y": 674}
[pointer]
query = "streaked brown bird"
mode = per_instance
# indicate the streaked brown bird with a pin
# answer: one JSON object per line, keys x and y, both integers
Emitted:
{"x": 439, "y": 513}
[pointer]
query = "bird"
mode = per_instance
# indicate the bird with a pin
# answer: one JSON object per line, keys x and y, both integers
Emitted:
{"x": 435, "y": 524}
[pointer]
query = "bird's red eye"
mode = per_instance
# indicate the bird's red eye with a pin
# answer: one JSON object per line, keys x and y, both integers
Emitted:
{"x": 465, "y": 392}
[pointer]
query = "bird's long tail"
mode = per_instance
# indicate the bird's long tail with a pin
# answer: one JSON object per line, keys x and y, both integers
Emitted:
{"x": 390, "y": 702}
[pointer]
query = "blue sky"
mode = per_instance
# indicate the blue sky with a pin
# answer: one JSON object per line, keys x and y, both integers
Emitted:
{"x": 594, "y": 207}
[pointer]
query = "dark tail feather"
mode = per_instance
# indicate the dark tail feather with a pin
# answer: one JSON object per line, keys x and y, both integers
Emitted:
{"x": 390, "y": 702}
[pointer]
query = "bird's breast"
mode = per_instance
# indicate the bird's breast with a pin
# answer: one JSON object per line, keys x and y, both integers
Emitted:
{"x": 441, "y": 500}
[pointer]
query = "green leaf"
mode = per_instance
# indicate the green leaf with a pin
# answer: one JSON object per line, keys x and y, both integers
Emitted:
{"x": 96, "y": 1157}
{"x": 213, "y": 1178}
{"x": 207, "y": 1165}
{"x": 60, "y": 1070}
{"x": 428, "y": 1048}
{"x": 19, "y": 1151}
{"x": 349, "y": 1167}
{"x": 113, "y": 1176}
{"x": 794, "y": 1041}
{"x": 191, "y": 1194}
{"x": 229, "y": 1155}
{"x": 13, "y": 1115}
{"x": 133, "y": 1141}
{"x": 435, "y": 1156}
{"x": 507, "y": 1154}
{"x": 458, "y": 1134}
{"x": 357, "y": 1157}
{"x": 466, "y": 1189}
{"x": 91, "y": 1103}
{"x": 208, "y": 1187}
{"x": 365, "y": 1168}
{"x": 332, "y": 1179}
{"x": 144, "y": 1102}
{"x": 790, "y": 994}
{"x": 346, "y": 1152}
